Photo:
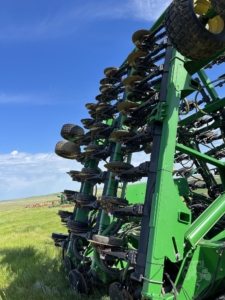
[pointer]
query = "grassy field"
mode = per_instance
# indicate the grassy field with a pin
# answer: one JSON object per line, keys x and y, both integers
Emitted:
{"x": 30, "y": 266}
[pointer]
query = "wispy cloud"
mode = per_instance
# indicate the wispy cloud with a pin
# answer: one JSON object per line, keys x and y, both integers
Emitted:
{"x": 69, "y": 20}
{"x": 39, "y": 98}
{"x": 6, "y": 98}
{"x": 23, "y": 174}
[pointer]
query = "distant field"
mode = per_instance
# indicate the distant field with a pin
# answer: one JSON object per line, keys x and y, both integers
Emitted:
{"x": 30, "y": 263}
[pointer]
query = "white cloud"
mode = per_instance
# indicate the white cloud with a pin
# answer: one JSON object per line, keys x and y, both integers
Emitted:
{"x": 66, "y": 22}
{"x": 24, "y": 174}
{"x": 29, "y": 98}
{"x": 14, "y": 152}
{"x": 36, "y": 98}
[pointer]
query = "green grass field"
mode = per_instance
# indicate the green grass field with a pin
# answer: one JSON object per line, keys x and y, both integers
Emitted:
{"x": 31, "y": 267}
{"x": 30, "y": 264}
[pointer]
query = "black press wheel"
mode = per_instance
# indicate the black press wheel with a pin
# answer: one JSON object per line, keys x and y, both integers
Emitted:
{"x": 192, "y": 37}
{"x": 77, "y": 282}
{"x": 64, "y": 249}
{"x": 67, "y": 150}
{"x": 68, "y": 264}
{"x": 71, "y": 131}
{"x": 219, "y": 6}
{"x": 116, "y": 291}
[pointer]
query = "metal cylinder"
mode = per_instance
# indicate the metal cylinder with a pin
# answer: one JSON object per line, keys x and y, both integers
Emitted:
{"x": 206, "y": 221}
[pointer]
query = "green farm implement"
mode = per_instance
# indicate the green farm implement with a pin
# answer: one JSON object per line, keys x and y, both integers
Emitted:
{"x": 163, "y": 238}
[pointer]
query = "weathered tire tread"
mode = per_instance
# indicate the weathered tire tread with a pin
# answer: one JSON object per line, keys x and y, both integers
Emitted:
{"x": 219, "y": 6}
{"x": 71, "y": 131}
{"x": 67, "y": 149}
{"x": 188, "y": 35}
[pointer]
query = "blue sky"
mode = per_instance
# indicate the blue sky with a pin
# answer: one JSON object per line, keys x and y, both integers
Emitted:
{"x": 52, "y": 57}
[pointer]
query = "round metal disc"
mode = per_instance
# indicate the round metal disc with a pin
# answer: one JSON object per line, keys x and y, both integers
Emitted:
{"x": 109, "y": 80}
{"x": 73, "y": 173}
{"x": 104, "y": 89}
{"x": 121, "y": 133}
{"x": 118, "y": 165}
{"x": 90, "y": 105}
{"x": 102, "y": 107}
{"x": 124, "y": 106}
{"x": 98, "y": 126}
{"x": 109, "y": 72}
{"x": 92, "y": 114}
{"x": 77, "y": 282}
{"x": 105, "y": 98}
{"x": 129, "y": 81}
{"x": 132, "y": 57}
{"x": 139, "y": 35}
{"x": 87, "y": 121}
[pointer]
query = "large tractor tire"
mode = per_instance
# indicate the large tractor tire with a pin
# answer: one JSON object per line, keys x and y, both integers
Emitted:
{"x": 219, "y": 6}
{"x": 67, "y": 150}
{"x": 192, "y": 37}
{"x": 71, "y": 131}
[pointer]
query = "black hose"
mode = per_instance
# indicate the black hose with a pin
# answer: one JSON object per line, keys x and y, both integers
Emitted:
{"x": 117, "y": 227}
{"x": 108, "y": 270}
{"x": 76, "y": 252}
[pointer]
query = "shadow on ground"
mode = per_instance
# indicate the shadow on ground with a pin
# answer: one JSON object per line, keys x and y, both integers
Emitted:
{"x": 34, "y": 276}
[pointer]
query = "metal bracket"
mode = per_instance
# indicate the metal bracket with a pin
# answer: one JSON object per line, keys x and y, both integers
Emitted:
{"x": 158, "y": 113}
{"x": 129, "y": 256}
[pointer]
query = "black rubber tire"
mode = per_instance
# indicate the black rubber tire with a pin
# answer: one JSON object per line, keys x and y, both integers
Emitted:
{"x": 114, "y": 200}
{"x": 90, "y": 171}
{"x": 77, "y": 225}
{"x": 67, "y": 150}
{"x": 85, "y": 198}
{"x": 87, "y": 121}
{"x": 107, "y": 240}
{"x": 116, "y": 291}
{"x": 109, "y": 270}
{"x": 71, "y": 131}
{"x": 64, "y": 249}
{"x": 76, "y": 251}
{"x": 93, "y": 148}
{"x": 64, "y": 213}
{"x": 188, "y": 35}
{"x": 68, "y": 264}
{"x": 59, "y": 236}
{"x": 98, "y": 126}
{"x": 219, "y": 6}
{"x": 76, "y": 281}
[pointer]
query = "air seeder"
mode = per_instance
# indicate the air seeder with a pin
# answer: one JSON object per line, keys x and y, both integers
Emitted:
{"x": 165, "y": 238}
